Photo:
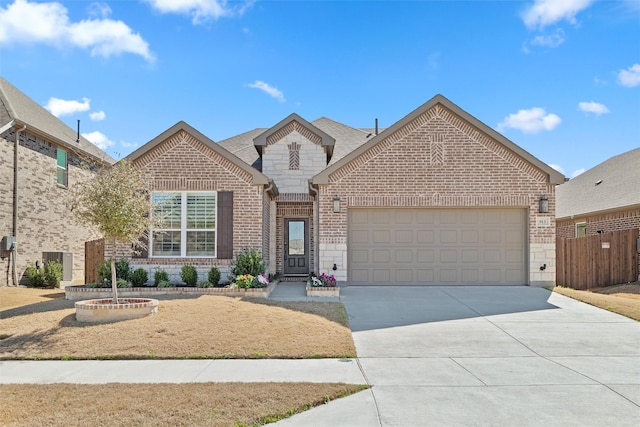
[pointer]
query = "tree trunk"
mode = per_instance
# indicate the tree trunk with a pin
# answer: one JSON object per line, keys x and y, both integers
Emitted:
{"x": 114, "y": 280}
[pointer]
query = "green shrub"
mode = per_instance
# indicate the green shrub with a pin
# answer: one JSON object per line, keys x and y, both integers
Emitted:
{"x": 214, "y": 276}
{"x": 139, "y": 277}
{"x": 205, "y": 284}
{"x": 160, "y": 276}
{"x": 165, "y": 284}
{"x": 189, "y": 275}
{"x": 35, "y": 277}
{"x": 249, "y": 261}
{"x": 123, "y": 271}
{"x": 52, "y": 273}
{"x": 92, "y": 285}
{"x": 121, "y": 283}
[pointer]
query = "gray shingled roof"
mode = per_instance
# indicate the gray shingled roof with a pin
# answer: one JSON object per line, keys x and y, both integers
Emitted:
{"x": 347, "y": 140}
{"x": 24, "y": 110}
{"x": 619, "y": 187}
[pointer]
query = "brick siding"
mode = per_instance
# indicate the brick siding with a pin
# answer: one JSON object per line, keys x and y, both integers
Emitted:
{"x": 183, "y": 163}
{"x": 45, "y": 221}
{"x": 467, "y": 169}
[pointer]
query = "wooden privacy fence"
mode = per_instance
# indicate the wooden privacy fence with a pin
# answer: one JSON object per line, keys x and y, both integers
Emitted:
{"x": 600, "y": 260}
{"x": 93, "y": 257}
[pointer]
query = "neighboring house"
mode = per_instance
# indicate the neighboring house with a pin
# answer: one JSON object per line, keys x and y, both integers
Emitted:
{"x": 41, "y": 158}
{"x": 603, "y": 199}
{"x": 437, "y": 198}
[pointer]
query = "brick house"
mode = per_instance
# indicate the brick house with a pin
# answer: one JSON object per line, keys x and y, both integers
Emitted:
{"x": 437, "y": 198}
{"x": 40, "y": 159}
{"x": 603, "y": 199}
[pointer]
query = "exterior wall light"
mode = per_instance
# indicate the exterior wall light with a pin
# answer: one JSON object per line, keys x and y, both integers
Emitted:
{"x": 543, "y": 204}
{"x": 336, "y": 204}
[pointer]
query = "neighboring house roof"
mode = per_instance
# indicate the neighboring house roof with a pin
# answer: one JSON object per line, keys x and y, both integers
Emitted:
{"x": 22, "y": 110}
{"x": 611, "y": 185}
{"x": 257, "y": 176}
{"x": 555, "y": 177}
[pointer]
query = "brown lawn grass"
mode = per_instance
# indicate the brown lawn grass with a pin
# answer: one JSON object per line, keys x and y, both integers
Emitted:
{"x": 621, "y": 299}
{"x": 196, "y": 404}
{"x": 185, "y": 327}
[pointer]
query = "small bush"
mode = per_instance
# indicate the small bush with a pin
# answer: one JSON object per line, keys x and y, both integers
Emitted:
{"x": 214, "y": 276}
{"x": 35, "y": 277}
{"x": 123, "y": 271}
{"x": 121, "y": 283}
{"x": 93, "y": 285}
{"x": 52, "y": 273}
{"x": 205, "y": 284}
{"x": 189, "y": 275}
{"x": 165, "y": 284}
{"x": 249, "y": 261}
{"x": 160, "y": 276}
{"x": 139, "y": 277}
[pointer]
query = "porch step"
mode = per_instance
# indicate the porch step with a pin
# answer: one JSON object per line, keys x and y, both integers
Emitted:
{"x": 299, "y": 279}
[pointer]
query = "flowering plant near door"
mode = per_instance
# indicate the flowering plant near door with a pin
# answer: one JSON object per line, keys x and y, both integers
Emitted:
{"x": 323, "y": 281}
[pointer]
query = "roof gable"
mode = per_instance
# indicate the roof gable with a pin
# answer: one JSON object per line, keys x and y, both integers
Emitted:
{"x": 257, "y": 177}
{"x": 294, "y": 122}
{"x": 613, "y": 184}
{"x": 25, "y": 111}
{"x": 406, "y": 125}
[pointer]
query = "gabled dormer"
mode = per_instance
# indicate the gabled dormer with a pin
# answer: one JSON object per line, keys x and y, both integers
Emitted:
{"x": 292, "y": 152}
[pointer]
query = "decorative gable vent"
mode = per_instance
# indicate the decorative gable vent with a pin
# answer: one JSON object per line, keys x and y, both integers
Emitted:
{"x": 437, "y": 148}
{"x": 294, "y": 156}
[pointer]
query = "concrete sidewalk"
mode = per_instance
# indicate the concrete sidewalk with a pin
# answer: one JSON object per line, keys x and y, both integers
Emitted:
{"x": 442, "y": 356}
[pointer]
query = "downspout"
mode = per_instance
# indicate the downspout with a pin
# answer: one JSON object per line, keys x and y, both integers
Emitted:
{"x": 316, "y": 227}
{"x": 14, "y": 254}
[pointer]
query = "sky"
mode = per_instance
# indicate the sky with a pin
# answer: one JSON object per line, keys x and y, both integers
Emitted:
{"x": 559, "y": 78}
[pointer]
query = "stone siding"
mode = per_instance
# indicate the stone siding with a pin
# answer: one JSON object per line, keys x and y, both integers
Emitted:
{"x": 277, "y": 164}
{"x": 45, "y": 220}
{"x": 438, "y": 160}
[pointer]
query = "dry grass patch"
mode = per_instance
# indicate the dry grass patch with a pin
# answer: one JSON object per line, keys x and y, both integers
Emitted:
{"x": 196, "y": 404}
{"x": 185, "y": 327}
{"x": 15, "y": 297}
{"x": 621, "y": 299}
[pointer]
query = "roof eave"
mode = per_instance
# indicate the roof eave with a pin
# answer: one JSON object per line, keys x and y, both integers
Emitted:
{"x": 581, "y": 215}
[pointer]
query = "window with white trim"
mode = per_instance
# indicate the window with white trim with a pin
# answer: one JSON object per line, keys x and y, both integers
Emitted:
{"x": 188, "y": 224}
{"x": 581, "y": 229}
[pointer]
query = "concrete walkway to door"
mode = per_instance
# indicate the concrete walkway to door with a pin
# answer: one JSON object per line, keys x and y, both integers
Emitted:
{"x": 486, "y": 356}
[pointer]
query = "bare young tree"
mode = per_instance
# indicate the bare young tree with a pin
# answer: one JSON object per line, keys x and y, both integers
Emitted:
{"x": 117, "y": 202}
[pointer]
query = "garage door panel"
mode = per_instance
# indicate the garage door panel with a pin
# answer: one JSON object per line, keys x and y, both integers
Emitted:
{"x": 434, "y": 245}
{"x": 404, "y": 236}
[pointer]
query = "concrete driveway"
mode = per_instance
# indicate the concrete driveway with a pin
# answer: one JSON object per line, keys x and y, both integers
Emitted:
{"x": 486, "y": 356}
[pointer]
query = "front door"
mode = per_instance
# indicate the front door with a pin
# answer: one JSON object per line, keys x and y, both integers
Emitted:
{"x": 296, "y": 246}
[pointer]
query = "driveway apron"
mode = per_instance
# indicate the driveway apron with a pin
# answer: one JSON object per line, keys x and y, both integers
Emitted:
{"x": 486, "y": 356}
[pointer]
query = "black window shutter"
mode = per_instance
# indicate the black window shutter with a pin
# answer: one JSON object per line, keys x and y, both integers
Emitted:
{"x": 225, "y": 225}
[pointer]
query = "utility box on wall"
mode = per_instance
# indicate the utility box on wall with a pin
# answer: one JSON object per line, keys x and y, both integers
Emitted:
{"x": 8, "y": 242}
{"x": 64, "y": 258}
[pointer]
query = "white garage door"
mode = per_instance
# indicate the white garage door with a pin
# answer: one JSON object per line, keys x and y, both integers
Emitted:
{"x": 437, "y": 246}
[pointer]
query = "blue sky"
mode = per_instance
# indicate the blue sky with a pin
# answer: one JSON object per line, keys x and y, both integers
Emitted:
{"x": 560, "y": 78}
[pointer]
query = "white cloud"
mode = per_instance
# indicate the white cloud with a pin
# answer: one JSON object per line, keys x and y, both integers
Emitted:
{"x": 97, "y": 115}
{"x": 630, "y": 77}
{"x": 547, "y": 12}
{"x": 200, "y": 10}
{"x": 61, "y": 107}
{"x": 99, "y": 139}
{"x": 593, "y": 107}
{"x": 48, "y": 23}
{"x": 577, "y": 172}
{"x": 551, "y": 40}
{"x": 269, "y": 90}
{"x": 557, "y": 167}
{"x": 532, "y": 120}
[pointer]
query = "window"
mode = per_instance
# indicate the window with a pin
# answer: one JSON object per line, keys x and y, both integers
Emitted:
{"x": 61, "y": 168}
{"x": 188, "y": 225}
{"x": 581, "y": 229}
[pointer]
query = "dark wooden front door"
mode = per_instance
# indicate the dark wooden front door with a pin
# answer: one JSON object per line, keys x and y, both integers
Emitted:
{"x": 296, "y": 246}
